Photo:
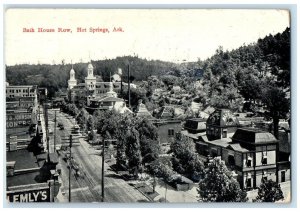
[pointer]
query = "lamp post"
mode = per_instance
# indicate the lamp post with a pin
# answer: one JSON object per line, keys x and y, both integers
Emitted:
{"x": 102, "y": 182}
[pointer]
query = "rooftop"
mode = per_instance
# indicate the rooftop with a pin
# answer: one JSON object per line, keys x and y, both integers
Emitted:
{"x": 253, "y": 135}
{"x": 107, "y": 99}
{"x": 24, "y": 159}
{"x": 192, "y": 135}
{"x": 23, "y": 179}
{"x": 227, "y": 143}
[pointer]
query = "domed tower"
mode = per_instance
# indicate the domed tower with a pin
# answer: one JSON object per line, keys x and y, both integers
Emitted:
{"x": 90, "y": 80}
{"x": 72, "y": 81}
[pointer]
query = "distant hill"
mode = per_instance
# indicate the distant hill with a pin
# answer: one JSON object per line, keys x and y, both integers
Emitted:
{"x": 227, "y": 68}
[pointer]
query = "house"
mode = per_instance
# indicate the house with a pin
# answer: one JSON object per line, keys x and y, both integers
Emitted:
{"x": 167, "y": 129}
{"x": 252, "y": 154}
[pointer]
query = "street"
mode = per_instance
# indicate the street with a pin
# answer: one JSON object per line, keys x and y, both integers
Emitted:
{"x": 86, "y": 183}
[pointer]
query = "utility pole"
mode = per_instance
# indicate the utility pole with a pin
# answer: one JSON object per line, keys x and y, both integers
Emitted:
{"x": 47, "y": 132}
{"x": 166, "y": 192}
{"x": 55, "y": 132}
{"x": 102, "y": 185}
{"x": 70, "y": 168}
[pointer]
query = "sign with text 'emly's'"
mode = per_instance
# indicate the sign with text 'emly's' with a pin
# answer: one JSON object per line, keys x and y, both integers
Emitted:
{"x": 41, "y": 195}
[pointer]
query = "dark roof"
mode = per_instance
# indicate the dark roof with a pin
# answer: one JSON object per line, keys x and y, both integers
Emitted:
{"x": 23, "y": 179}
{"x": 23, "y": 158}
{"x": 166, "y": 112}
{"x": 237, "y": 147}
{"x": 227, "y": 143}
{"x": 197, "y": 124}
{"x": 253, "y": 135}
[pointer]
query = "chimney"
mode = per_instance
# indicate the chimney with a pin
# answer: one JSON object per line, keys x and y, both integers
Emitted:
{"x": 10, "y": 168}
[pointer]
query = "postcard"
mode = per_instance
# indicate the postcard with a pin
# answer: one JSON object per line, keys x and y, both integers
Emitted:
{"x": 148, "y": 105}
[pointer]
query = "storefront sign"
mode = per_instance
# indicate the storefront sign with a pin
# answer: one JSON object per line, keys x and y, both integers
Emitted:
{"x": 41, "y": 195}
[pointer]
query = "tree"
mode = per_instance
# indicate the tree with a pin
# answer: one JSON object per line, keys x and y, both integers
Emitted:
{"x": 148, "y": 140}
{"x": 132, "y": 150}
{"x": 269, "y": 191}
{"x": 90, "y": 123}
{"x": 277, "y": 103}
{"x": 184, "y": 159}
{"x": 219, "y": 185}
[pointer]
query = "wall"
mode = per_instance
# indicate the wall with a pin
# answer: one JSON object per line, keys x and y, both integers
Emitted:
{"x": 163, "y": 128}
{"x": 270, "y": 174}
{"x": 284, "y": 167}
{"x": 271, "y": 157}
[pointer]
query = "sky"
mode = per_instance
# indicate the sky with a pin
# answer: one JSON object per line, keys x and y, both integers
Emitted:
{"x": 175, "y": 35}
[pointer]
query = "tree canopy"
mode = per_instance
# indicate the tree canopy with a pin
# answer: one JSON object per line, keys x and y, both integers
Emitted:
{"x": 269, "y": 191}
{"x": 219, "y": 185}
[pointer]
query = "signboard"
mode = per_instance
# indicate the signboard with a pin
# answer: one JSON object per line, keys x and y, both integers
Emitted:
{"x": 36, "y": 195}
{"x": 14, "y": 120}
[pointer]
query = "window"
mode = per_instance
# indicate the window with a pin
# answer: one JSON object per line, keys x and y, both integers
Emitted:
{"x": 231, "y": 160}
{"x": 249, "y": 161}
{"x": 264, "y": 176}
{"x": 224, "y": 134}
{"x": 171, "y": 132}
{"x": 282, "y": 176}
{"x": 264, "y": 160}
{"x": 248, "y": 182}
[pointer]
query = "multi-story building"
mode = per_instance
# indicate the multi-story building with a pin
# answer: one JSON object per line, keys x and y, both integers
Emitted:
{"x": 252, "y": 154}
{"x": 15, "y": 91}
{"x": 21, "y": 109}
{"x": 109, "y": 101}
{"x": 90, "y": 88}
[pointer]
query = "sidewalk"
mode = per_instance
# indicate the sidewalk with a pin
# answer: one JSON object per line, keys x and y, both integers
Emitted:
{"x": 44, "y": 139}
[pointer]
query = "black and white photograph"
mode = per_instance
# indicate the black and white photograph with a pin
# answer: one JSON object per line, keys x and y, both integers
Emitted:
{"x": 147, "y": 105}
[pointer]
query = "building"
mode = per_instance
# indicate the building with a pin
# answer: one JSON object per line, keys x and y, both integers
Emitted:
{"x": 30, "y": 177}
{"x": 220, "y": 124}
{"x": 195, "y": 125}
{"x": 21, "y": 111}
{"x": 167, "y": 129}
{"x": 90, "y": 88}
{"x": 109, "y": 101}
{"x": 42, "y": 95}
{"x": 72, "y": 81}
{"x": 252, "y": 155}
{"x": 195, "y": 129}
{"x": 15, "y": 91}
